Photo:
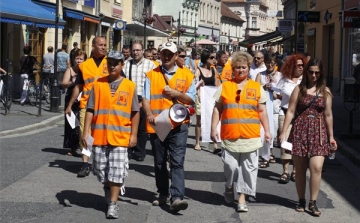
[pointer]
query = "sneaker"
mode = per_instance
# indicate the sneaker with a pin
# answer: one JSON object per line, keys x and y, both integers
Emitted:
{"x": 107, "y": 195}
{"x": 242, "y": 208}
{"x": 84, "y": 171}
{"x": 113, "y": 210}
{"x": 178, "y": 205}
{"x": 162, "y": 199}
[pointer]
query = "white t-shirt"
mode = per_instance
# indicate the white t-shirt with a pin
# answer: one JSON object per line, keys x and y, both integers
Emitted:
{"x": 255, "y": 70}
{"x": 286, "y": 86}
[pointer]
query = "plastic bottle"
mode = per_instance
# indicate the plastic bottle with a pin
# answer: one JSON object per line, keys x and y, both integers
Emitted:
{"x": 332, "y": 150}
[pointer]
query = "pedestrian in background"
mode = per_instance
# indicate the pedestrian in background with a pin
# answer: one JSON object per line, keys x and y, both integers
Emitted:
{"x": 292, "y": 71}
{"x": 312, "y": 131}
{"x": 241, "y": 107}
{"x": 258, "y": 65}
{"x": 163, "y": 86}
{"x": 90, "y": 71}
{"x": 72, "y": 53}
{"x": 223, "y": 68}
{"x": 208, "y": 75}
{"x": 268, "y": 78}
{"x": 135, "y": 69}
{"x": 48, "y": 60}
{"x": 71, "y": 136}
{"x": 126, "y": 51}
{"x": 63, "y": 63}
{"x": 112, "y": 111}
{"x": 27, "y": 63}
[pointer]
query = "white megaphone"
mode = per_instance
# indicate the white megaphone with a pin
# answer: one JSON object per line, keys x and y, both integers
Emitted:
{"x": 178, "y": 112}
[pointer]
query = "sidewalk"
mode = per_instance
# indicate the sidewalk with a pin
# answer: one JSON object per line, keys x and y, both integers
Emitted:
{"x": 24, "y": 119}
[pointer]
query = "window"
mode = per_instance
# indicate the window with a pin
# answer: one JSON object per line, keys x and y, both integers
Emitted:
{"x": 117, "y": 1}
{"x": 253, "y": 22}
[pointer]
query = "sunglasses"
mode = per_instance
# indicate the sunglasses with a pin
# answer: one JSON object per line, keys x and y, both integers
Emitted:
{"x": 237, "y": 98}
{"x": 182, "y": 56}
{"x": 300, "y": 65}
{"x": 212, "y": 57}
{"x": 313, "y": 72}
{"x": 113, "y": 63}
{"x": 257, "y": 58}
{"x": 271, "y": 64}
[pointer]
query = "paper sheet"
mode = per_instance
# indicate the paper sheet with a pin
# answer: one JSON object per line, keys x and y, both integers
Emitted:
{"x": 207, "y": 107}
{"x": 72, "y": 120}
{"x": 162, "y": 124}
{"x": 87, "y": 151}
{"x": 274, "y": 88}
{"x": 79, "y": 97}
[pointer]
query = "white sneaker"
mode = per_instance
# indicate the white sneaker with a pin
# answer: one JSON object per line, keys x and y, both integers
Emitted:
{"x": 242, "y": 208}
{"x": 113, "y": 210}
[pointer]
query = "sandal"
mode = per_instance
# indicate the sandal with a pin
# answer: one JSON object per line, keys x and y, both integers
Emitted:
{"x": 216, "y": 149}
{"x": 285, "y": 178}
{"x": 313, "y": 208}
{"x": 301, "y": 206}
{"x": 197, "y": 147}
{"x": 71, "y": 153}
{"x": 264, "y": 164}
{"x": 272, "y": 159}
{"x": 292, "y": 177}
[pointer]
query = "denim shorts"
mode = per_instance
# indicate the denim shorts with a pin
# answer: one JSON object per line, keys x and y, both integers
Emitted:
{"x": 110, "y": 163}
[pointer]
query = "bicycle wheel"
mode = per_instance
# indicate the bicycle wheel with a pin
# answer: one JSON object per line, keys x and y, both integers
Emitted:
{"x": 46, "y": 90}
{"x": 6, "y": 97}
{"x": 32, "y": 92}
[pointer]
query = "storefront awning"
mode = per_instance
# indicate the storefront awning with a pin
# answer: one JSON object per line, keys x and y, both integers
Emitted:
{"x": 263, "y": 38}
{"x": 27, "y": 13}
{"x": 138, "y": 28}
{"x": 71, "y": 13}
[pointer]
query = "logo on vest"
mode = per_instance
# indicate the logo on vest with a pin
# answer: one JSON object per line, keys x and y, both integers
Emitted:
{"x": 251, "y": 94}
{"x": 105, "y": 69}
{"x": 123, "y": 98}
{"x": 227, "y": 75}
{"x": 180, "y": 85}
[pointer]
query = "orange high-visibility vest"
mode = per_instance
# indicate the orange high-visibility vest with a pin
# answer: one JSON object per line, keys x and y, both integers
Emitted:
{"x": 91, "y": 73}
{"x": 111, "y": 123}
{"x": 226, "y": 73}
{"x": 240, "y": 119}
{"x": 156, "y": 63}
{"x": 180, "y": 81}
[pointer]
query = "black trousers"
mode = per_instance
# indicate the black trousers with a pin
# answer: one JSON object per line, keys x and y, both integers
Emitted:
{"x": 139, "y": 150}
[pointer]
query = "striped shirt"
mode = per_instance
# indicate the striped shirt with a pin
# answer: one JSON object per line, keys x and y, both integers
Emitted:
{"x": 138, "y": 72}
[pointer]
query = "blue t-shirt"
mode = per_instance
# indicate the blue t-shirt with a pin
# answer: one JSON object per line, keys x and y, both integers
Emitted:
{"x": 62, "y": 59}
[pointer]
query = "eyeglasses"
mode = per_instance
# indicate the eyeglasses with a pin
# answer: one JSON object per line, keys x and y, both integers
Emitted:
{"x": 300, "y": 65}
{"x": 313, "y": 72}
{"x": 271, "y": 64}
{"x": 211, "y": 57}
{"x": 182, "y": 56}
{"x": 237, "y": 98}
{"x": 257, "y": 58}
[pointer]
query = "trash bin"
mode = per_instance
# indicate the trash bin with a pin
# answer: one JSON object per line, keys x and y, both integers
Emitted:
{"x": 54, "y": 94}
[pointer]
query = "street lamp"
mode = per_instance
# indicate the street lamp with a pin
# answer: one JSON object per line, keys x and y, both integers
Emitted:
{"x": 144, "y": 14}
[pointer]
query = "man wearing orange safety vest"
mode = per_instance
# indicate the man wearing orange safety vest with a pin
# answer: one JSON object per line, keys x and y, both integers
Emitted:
{"x": 90, "y": 70}
{"x": 113, "y": 113}
{"x": 223, "y": 67}
{"x": 164, "y": 86}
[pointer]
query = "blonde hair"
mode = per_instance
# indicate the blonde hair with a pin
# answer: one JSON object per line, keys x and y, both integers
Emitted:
{"x": 241, "y": 56}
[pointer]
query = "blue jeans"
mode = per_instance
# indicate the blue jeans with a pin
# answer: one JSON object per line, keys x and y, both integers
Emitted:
{"x": 175, "y": 143}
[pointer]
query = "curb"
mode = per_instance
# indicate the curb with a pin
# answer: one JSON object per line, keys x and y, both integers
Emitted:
{"x": 348, "y": 152}
{"x": 28, "y": 128}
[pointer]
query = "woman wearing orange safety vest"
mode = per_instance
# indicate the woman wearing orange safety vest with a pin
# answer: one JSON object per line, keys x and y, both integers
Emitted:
{"x": 240, "y": 106}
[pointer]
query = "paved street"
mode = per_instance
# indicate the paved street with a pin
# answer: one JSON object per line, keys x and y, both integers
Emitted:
{"x": 39, "y": 184}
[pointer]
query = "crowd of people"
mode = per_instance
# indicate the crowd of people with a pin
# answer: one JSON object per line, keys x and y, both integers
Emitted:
{"x": 260, "y": 103}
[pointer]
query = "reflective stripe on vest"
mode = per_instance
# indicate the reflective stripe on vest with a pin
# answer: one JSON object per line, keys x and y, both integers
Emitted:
{"x": 91, "y": 73}
{"x": 111, "y": 127}
{"x": 112, "y": 112}
{"x": 240, "y": 119}
{"x": 180, "y": 81}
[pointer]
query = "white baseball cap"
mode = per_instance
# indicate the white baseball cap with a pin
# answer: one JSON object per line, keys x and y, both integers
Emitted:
{"x": 169, "y": 46}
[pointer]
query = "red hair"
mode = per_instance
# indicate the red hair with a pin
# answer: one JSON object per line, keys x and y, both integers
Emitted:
{"x": 290, "y": 65}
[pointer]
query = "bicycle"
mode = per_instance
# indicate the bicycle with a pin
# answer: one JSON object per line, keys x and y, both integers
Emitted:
{"x": 5, "y": 91}
{"x": 34, "y": 91}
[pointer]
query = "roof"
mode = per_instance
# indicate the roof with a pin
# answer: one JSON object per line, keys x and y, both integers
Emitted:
{"x": 161, "y": 24}
{"x": 226, "y": 12}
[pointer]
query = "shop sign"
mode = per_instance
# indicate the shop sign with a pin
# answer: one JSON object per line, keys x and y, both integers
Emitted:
{"x": 308, "y": 16}
{"x": 285, "y": 25}
{"x": 348, "y": 17}
{"x": 116, "y": 12}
